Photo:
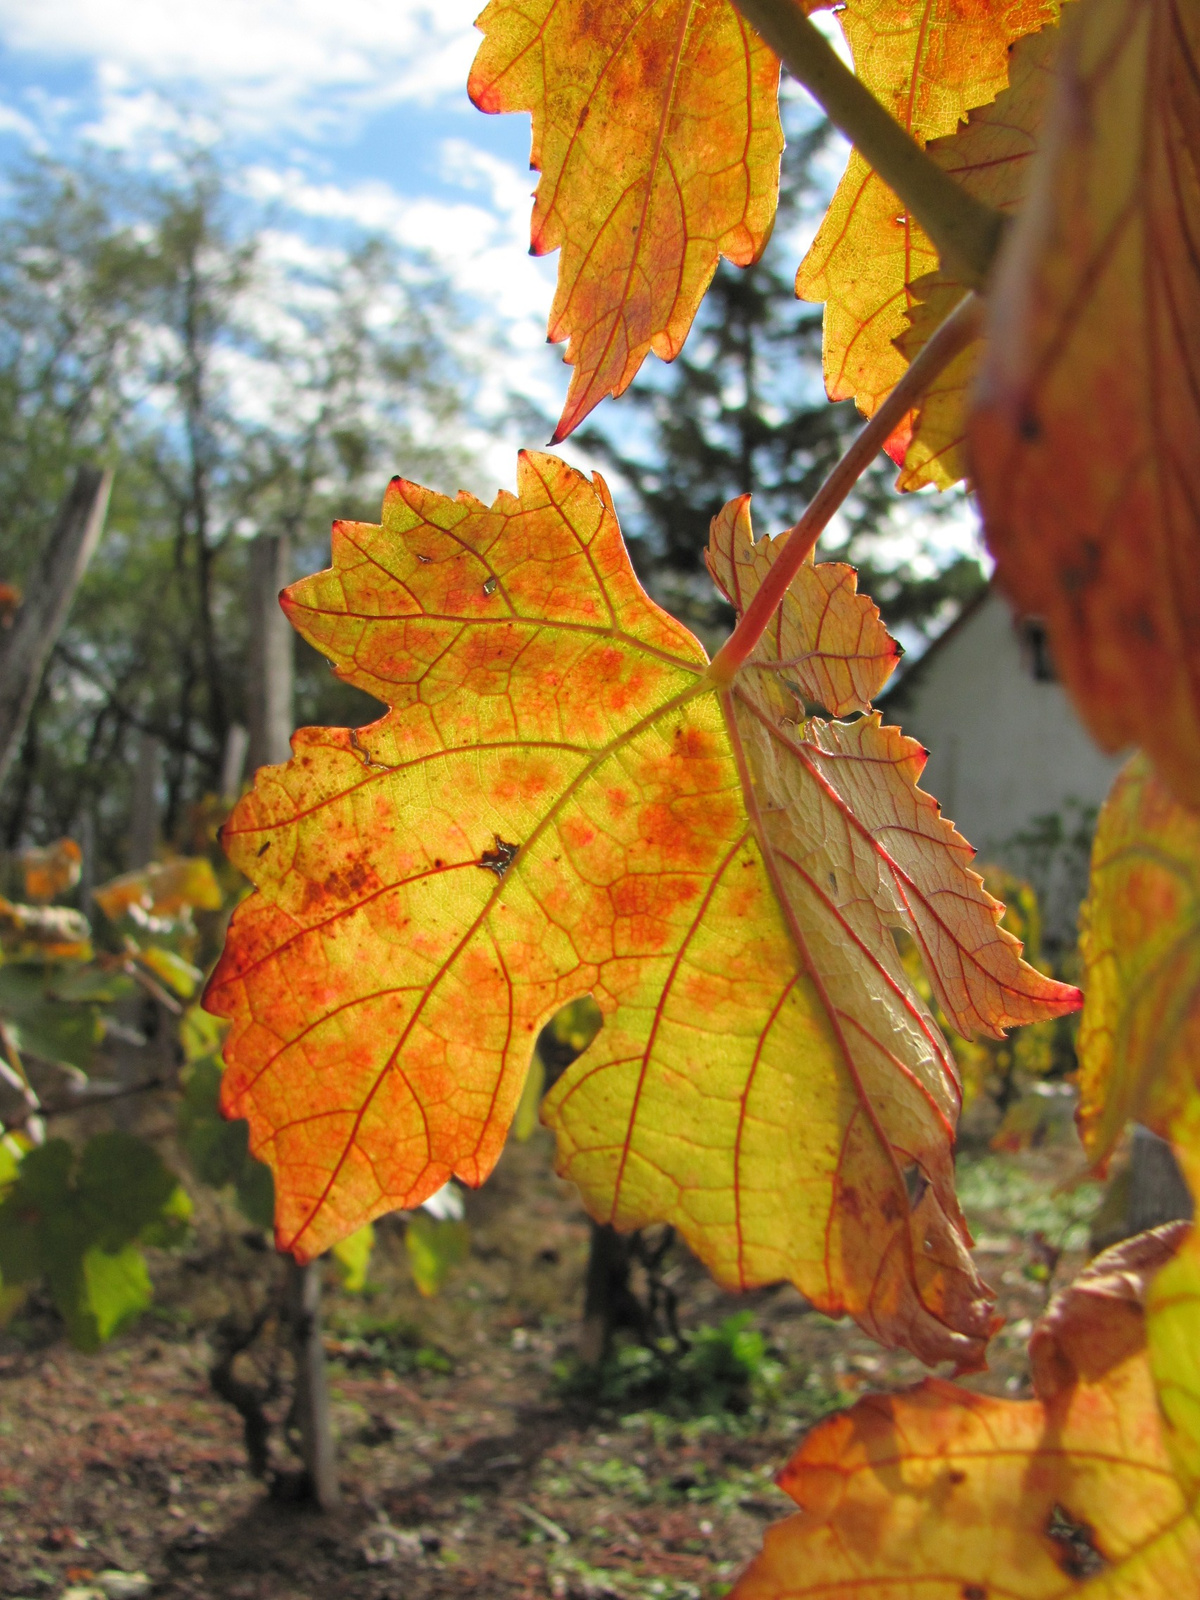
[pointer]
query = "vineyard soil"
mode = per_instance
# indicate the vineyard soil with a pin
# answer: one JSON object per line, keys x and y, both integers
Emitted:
{"x": 487, "y": 1478}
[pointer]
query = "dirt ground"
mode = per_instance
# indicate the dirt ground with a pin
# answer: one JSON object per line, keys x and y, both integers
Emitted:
{"x": 466, "y": 1464}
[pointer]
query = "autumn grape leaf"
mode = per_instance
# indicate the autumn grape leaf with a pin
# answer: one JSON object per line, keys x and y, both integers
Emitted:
{"x": 656, "y": 133}
{"x": 991, "y": 157}
{"x": 1086, "y": 442}
{"x": 958, "y": 1496}
{"x": 561, "y": 802}
{"x": 1173, "y": 1337}
{"x": 824, "y": 639}
{"x": 1139, "y": 1037}
{"x": 50, "y": 870}
{"x": 930, "y": 63}
{"x": 162, "y": 891}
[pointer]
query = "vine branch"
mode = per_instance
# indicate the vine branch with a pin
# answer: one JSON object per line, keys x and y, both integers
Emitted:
{"x": 966, "y": 231}
{"x": 952, "y": 337}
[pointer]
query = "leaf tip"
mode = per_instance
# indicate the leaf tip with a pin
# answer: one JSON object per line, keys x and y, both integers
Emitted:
{"x": 1072, "y": 998}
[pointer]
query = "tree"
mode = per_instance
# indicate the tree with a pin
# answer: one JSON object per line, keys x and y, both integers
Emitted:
{"x": 242, "y": 392}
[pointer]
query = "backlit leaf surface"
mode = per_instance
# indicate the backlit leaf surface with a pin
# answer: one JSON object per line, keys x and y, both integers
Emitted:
{"x": 991, "y": 157}
{"x": 929, "y": 62}
{"x": 1139, "y": 1037}
{"x": 558, "y": 803}
{"x": 1173, "y": 1335}
{"x": 656, "y": 133}
{"x": 949, "y": 1495}
{"x": 1086, "y": 444}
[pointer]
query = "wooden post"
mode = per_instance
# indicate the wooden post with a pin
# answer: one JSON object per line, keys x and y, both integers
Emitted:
{"x": 26, "y": 646}
{"x": 271, "y": 690}
{"x": 609, "y": 1302}
{"x": 303, "y": 1305}
{"x": 270, "y": 700}
{"x": 233, "y": 763}
{"x": 146, "y": 811}
{"x": 1157, "y": 1191}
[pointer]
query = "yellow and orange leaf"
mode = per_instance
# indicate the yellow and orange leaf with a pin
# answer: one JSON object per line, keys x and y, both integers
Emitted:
{"x": 826, "y": 638}
{"x": 164, "y": 889}
{"x": 50, "y": 870}
{"x": 1086, "y": 442}
{"x": 1173, "y": 1337}
{"x": 930, "y": 62}
{"x": 1139, "y": 1038}
{"x": 656, "y": 133}
{"x": 560, "y": 802}
{"x": 949, "y": 1495}
{"x": 50, "y": 933}
{"x": 992, "y": 159}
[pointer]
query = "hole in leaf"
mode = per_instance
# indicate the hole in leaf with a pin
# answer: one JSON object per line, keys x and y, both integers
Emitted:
{"x": 1074, "y": 1545}
{"x": 501, "y": 858}
{"x": 915, "y": 1184}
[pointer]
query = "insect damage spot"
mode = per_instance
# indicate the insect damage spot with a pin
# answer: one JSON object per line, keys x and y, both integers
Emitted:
{"x": 974, "y": 1591}
{"x": 490, "y": 585}
{"x": 1074, "y": 1545}
{"x": 499, "y": 859}
{"x": 368, "y": 760}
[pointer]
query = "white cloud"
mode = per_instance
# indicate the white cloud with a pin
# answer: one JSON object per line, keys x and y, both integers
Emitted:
{"x": 12, "y": 121}
{"x": 262, "y": 56}
{"x": 482, "y": 245}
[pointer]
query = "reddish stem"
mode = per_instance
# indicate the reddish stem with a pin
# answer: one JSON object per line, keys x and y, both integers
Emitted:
{"x": 954, "y": 335}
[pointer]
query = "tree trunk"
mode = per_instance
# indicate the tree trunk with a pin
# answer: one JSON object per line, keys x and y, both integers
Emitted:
{"x": 39, "y": 621}
{"x": 272, "y": 716}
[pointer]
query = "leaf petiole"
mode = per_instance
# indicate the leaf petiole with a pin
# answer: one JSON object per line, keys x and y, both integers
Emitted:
{"x": 966, "y": 231}
{"x": 955, "y": 334}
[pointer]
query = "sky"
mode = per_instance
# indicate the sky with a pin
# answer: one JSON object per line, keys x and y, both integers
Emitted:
{"x": 341, "y": 114}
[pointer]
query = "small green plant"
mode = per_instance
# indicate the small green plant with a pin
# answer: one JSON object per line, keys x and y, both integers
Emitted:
{"x": 713, "y": 1370}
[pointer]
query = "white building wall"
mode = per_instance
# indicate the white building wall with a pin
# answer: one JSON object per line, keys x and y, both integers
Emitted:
{"x": 1003, "y": 747}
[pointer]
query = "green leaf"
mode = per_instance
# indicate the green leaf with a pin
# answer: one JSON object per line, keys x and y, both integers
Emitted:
{"x": 219, "y": 1150}
{"x": 530, "y": 1104}
{"x": 78, "y": 1225}
{"x": 45, "y": 1024}
{"x": 169, "y": 1229}
{"x": 201, "y": 1034}
{"x": 116, "y": 1289}
{"x": 179, "y": 975}
{"x": 353, "y": 1257}
{"x": 11, "y": 1151}
{"x": 123, "y": 1187}
{"x": 434, "y": 1246}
